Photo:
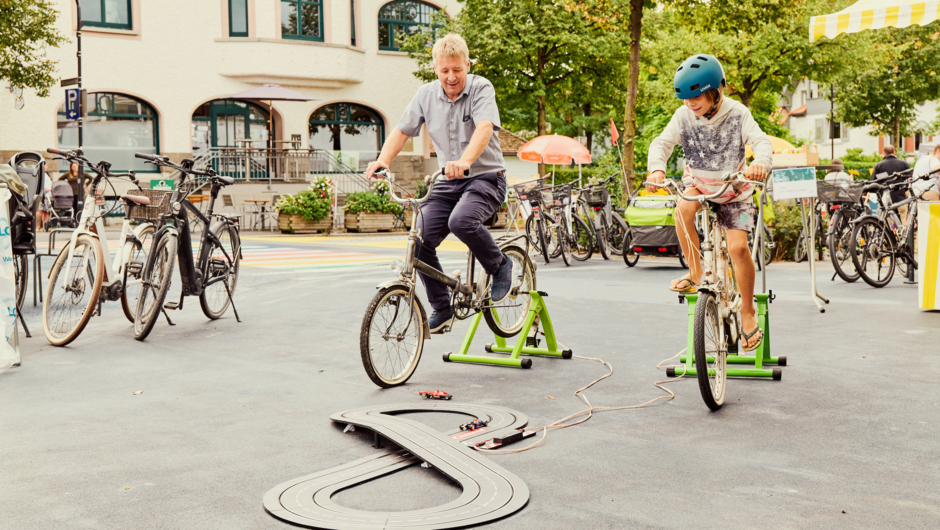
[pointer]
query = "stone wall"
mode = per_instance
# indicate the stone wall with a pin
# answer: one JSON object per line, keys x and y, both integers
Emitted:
{"x": 408, "y": 170}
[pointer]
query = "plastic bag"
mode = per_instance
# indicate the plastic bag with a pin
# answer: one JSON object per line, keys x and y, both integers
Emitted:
{"x": 9, "y": 354}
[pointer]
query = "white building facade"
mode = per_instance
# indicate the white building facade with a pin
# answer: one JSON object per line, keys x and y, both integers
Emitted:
{"x": 159, "y": 75}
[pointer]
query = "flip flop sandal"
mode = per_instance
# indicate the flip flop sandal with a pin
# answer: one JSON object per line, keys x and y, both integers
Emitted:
{"x": 747, "y": 336}
{"x": 690, "y": 288}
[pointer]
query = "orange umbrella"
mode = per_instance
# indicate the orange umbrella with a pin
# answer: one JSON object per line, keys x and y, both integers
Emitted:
{"x": 554, "y": 149}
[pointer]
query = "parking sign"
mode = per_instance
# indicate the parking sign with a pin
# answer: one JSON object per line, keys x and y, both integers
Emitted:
{"x": 72, "y": 104}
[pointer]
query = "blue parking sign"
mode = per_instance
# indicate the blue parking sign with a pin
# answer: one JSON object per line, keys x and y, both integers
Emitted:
{"x": 72, "y": 104}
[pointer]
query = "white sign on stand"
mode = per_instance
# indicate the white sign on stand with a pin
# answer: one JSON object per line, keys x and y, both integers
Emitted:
{"x": 794, "y": 183}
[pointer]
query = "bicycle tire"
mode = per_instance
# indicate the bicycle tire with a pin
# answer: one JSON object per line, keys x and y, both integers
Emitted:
{"x": 372, "y": 329}
{"x": 707, "y": 317}
{"x": 630, "y": 257}
{"x": 214, "y": 299}
{"x": 799, "y": 252}
{"x": 161, "y": 261}
{"x": 515, "y": 308}
{"x": 581, "y": 240}
{"x": 615, "y": 234}
{"x": 532, "y": 235}
{"x": 840, "y": 249}
{"x": 682, "y": 262}
{"x": 602, "y": 243}
{"x": 136, "y": 252}
{"x": 543, "y": 242}
{"x": 564, "y": 244}
{"x": 873, "y": 243}
{"x": 79, "y": 284}
{"x": 21, "y": 278}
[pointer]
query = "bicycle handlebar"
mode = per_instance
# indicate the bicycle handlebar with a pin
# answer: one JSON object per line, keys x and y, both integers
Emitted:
{"x": 728, "y": 179}
{"x": 436, "y": 177}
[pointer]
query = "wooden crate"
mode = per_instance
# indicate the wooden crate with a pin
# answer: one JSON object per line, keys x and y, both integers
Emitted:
{"x": 292, "y": 224}
{"x": 370, "y": 222}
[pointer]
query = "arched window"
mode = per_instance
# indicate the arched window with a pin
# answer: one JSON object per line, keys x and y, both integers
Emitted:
{"x": 229, "y": 123}
{"x": 403, "y": 17}
{"x": 351, "y": 132}
{"x": 116, "y": 127}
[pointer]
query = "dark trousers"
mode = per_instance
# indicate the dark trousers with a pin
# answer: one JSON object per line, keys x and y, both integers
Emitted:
{"x": 460, "y": 206}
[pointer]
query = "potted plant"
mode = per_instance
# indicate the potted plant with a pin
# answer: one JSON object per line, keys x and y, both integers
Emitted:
{"x": 308, "y": 210}
{"x": 371, "y": 211}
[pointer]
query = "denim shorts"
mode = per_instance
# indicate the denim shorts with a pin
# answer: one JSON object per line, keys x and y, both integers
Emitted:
{"x": 734, "y": 215}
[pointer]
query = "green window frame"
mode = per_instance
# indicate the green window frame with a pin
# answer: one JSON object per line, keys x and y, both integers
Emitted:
{"x": 401, "y": 17}
{"x": 102, "y": 20}
{"x": 240, "y": 7}
{"x": 295, "y": 23}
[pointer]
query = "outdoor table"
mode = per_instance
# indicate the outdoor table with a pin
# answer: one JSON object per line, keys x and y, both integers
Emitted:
{"x": 259, "y": 204}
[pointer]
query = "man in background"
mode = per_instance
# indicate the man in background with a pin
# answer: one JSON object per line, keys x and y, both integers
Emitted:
{"x": 892, "y": 164}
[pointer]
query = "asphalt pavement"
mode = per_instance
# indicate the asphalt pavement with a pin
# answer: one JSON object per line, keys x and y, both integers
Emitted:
{"x": 226, "y": 410}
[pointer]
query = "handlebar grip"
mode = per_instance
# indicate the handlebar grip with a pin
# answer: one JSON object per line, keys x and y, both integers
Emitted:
{"x": 55, "y": 151}
{"x": 145, "y": 156}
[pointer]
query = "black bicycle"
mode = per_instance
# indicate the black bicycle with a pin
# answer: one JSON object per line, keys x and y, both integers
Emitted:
{"x": 608, "y": 224}
{"x": 845, "y": 206}
{"x": 213, "y": 275}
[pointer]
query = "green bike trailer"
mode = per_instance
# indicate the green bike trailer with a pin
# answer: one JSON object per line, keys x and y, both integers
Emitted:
{"x": 652, "y": 227}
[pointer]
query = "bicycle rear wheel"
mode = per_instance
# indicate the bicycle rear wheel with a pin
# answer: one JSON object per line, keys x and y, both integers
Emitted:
{"x": 507, "y": 317}
{"x": 564, "y": 244}
{"x": 71, "y": 297}
{"x": 543, "y": 238}
{"x": 221, "y": 271}
{"x": 157, "y": 276}
{"x": 391, "y": 337}
{"x": 581, "y": 239}
{"x": 602, "y": 244}
{"x": 799, "y": 253}
{"x": 874, "y": 252}
{"x": 615, "y": 232}
{"x": 136, "y": 252}
{"x": 840, "y": 248}
{"x": 710, "y": 341}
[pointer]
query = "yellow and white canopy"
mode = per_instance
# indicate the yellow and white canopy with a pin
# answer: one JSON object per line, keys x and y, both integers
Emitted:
{"x": 873, "y": 14}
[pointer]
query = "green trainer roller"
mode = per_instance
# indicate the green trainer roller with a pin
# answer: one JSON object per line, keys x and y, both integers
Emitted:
{"x": 537, "y": 310}
{"x": 761, "y": 355}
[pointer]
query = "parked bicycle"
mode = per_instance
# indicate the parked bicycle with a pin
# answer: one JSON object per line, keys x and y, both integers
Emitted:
{"x": 845, "y": 206}
{"x": 882, "y": 242}
{"x": 801, "y": 251}
{"x": 211, "y": 277}
{"x": 84, "y": 272}
{"x": 717, "y": 321}
{"x": 608, "y": 225}
{"x": 395, "y": 324}
{"x": 552, "y": 214}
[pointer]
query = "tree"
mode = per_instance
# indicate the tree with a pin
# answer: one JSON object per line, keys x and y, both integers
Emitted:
{"x": 528, "y": 49}
{"x": 27, "y": 27}
{"x": 884, "y": 91}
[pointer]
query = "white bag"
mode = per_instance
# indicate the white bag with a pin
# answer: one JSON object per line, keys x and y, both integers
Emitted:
{"x": 9, "y": 353}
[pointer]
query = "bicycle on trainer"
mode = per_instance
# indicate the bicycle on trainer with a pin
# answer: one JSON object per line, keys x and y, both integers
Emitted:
{"x": 608, "y": 225}
{"x": 395, "y": 324}
{"x": 211, "y": 277}
{"x": 882, "y": 242}
{"x": 717, "y": 321}
{"x": 83, "y": 273}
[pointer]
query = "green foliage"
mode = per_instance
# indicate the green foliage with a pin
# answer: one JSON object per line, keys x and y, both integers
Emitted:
{"x": 786, "y": 230}
{"x": 27, "y": 28}
{"x": 312, "y": 205}
{"x": 883, "y": 91}
{"x": 369, "y": 202}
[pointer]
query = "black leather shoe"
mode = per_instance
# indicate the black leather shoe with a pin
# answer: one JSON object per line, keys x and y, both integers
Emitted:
{"x": 502, "y": 281}
{"x": 440, "y": 319}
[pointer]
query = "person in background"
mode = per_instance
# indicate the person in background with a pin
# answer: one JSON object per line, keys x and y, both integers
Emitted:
{"x": 925, "y": 165}
{"x": 45, "y": 204}
{"x": 839, "y": 174}
{"x": 72, "y": 178}
{"x": 888, "y": 165}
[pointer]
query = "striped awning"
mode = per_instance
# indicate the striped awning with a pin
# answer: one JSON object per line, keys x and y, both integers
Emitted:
{"x": 873, "y": 14}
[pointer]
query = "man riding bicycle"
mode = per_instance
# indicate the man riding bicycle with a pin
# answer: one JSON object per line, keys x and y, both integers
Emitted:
{"x": 713, "y": 131}
{"x": 462, "y": 119}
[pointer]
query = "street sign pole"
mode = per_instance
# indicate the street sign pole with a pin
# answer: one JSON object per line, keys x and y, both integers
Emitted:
{"x": 81, "y": 110}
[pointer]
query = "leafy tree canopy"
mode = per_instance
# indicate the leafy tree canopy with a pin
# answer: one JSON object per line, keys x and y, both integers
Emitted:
{"x": 27, "y": 28}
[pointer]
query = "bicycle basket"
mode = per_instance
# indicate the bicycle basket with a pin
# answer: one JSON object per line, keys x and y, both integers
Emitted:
{"x": 839, "y": 191}
{"x": 528, "y": 191}
{"x": 159, "y": 205}
{"x": 596, "y": 196}
{"x": 561, "y": 194}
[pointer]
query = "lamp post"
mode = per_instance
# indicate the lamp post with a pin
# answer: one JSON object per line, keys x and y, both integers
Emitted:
{"x": 81, "y": 107}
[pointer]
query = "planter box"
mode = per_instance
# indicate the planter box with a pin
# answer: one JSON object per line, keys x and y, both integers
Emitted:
{"x": 502, "y": 219}
{"x": 370, "y": 222}
{"x": 292, "y": 224}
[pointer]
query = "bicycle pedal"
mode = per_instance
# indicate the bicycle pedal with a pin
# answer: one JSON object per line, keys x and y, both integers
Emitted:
{"x": 134, "y": 268}
{"x": 171, "y": 305}
{"x": 532, "y": 342}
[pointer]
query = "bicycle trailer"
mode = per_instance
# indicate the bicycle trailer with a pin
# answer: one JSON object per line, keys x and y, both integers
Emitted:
{"x": 652, "y": 225}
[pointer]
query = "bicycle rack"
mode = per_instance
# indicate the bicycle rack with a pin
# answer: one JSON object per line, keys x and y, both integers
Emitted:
{"x": 537, "y": 310}
{"x": 761, "y": 354}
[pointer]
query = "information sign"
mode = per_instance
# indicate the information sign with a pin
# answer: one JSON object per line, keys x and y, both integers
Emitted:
{"x": 794, "y": 183}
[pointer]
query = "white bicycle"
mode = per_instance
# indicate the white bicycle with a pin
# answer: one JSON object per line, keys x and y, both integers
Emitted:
{"x": 83, "y": 272}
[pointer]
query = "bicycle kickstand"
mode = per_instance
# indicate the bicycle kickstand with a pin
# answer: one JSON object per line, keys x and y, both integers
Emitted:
{"x": 168, "y": 321}
{"x": 229, "y": 292}
{"x": 19, "y": 315}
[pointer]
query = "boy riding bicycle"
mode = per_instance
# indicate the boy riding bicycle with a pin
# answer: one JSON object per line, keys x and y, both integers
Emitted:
{"x": 713, "y": 131}
{"x": 462, "y": 119}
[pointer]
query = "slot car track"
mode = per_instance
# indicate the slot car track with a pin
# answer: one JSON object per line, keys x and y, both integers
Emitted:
{"x": 489, "y": 491}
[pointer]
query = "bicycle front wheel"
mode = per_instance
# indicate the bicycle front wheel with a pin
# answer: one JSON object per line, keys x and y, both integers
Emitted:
{"x": 874, "y": 252}
{"x": 564, "y": 244}
{"x": 711, "y": 351}
{"x": 221, "y": 272}
{"x": 602, "y": 244}
{"x": 157, "y": 276}
{"x": 581, "y": 239}
{"x": 21, "y": 277}
{"x": 543, "y": 238}
{"x": 391, "y": 337}
{"x": 507, "y": 317}
{"x": 840, "y": 248}
{"x": 136, "y": 252}
{"x": 615, "y": 233}
{"x": 630, "y": 257}
{"x": 72, "y": 294}
{"x": 799, "y": 253}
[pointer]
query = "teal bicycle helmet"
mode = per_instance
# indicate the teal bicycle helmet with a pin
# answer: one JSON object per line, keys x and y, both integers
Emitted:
{"x": 698, "y": 74}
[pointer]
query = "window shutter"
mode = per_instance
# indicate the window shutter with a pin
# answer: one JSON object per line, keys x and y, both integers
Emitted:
{"x": 820, "y": 129}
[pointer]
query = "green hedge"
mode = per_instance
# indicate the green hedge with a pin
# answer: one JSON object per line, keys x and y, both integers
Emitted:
{"x": 369, "y": 202}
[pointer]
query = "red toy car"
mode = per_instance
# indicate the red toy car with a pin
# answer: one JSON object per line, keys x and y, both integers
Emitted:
{"x": 437, "y": 394}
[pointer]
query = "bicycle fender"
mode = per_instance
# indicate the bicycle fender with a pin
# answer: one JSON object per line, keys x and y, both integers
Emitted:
{"x": 140, "y": 228}
{"x": 424, "y": 314}
{"x": 861, "y": 218}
